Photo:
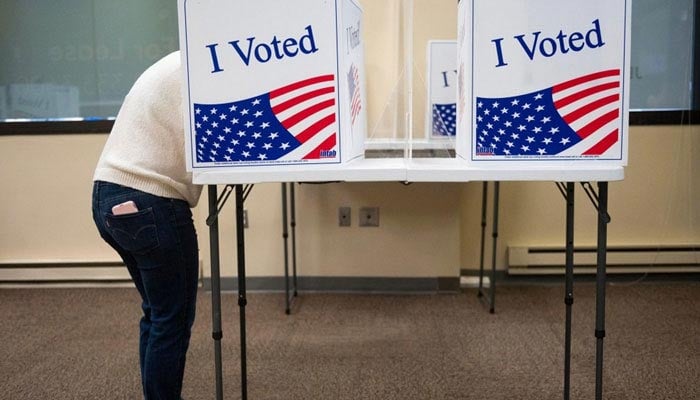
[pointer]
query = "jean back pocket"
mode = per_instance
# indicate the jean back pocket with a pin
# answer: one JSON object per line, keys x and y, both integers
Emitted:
{"x": 136, "y": 232}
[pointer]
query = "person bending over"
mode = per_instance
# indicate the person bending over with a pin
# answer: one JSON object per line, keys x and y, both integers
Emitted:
{"x": 141, "y": 202}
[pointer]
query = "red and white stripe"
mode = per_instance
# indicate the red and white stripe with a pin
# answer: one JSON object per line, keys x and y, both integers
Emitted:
{"x": 356, "y": 102}
{"x": 307, "y": 109}
{"x": 591, "y": 106}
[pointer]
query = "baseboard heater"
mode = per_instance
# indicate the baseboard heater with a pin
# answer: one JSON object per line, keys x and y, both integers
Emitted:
{"x": 620, "y": 259}
{"x": 62, "y": 272}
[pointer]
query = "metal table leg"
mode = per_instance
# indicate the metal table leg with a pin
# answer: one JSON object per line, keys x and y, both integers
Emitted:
{"x": 294, "y": 236}
{"x": 491, "y": 299}
{"x": 217, "y": 333}
{"x": 240, "y": 241}
{"x": 285, "y": 236}
{"x": 568, "y": 193}
{"x": 603, "y": 220}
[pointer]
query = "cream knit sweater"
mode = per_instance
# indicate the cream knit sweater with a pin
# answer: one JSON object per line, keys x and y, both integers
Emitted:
{"x": 146, "y": 148}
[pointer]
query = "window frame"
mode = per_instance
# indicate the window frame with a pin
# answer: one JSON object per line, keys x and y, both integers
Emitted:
{"x": 11, "y": 128}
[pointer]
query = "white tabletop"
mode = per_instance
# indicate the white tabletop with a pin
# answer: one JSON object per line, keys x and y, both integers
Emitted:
{"x": 409, "y": 170}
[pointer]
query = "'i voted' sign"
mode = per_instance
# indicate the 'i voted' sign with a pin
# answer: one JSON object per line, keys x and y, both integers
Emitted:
{"x": 272, "y": 82}
{"x": 441, "y": 115}
{"x": 543, "y": 80}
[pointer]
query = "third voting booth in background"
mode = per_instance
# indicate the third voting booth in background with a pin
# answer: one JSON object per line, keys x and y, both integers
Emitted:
{"x": 441, "y": 113}
{"x": 543, "y": 81}
{"x": 271, "y": 82}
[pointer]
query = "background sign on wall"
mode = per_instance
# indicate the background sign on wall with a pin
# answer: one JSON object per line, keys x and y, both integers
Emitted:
{"x": 441, "y": 115}
{"x": 272, "y": 82}
{"x": 543, "y": 80}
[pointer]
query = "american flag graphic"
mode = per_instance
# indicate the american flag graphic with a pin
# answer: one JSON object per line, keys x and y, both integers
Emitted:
{"x": 354, "y": 90}
{"x": 576, "y": 118}
{"x": 444, "y": 119}
{"x": 291, "y": 123}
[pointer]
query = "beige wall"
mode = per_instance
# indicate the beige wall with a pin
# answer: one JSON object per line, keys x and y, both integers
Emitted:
{"x": 45, "y": 201}
{"x": 427, "y": 230}
{"x": 46, "y": 216}
{"x": 657, "y": 203}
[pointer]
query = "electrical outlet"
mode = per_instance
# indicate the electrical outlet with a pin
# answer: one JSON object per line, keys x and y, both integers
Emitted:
{"x": 369, "y": 216}
{"x": 245, "y": 218}
{"x": 344, "y": 214}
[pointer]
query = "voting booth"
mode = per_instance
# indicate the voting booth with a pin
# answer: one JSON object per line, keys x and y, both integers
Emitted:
{"x": 272, "y": 83}
{"x": 543, "y": 81}
{"x": 530, "y": 90}
{"x": 441, "y": 110}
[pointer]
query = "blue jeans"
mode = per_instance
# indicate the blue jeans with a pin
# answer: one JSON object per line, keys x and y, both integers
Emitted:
{"x": 159, "y": 247}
